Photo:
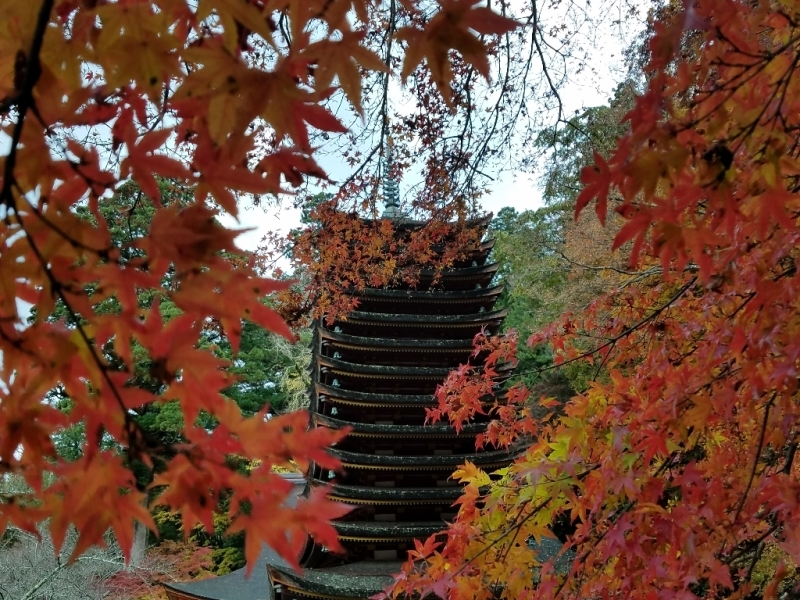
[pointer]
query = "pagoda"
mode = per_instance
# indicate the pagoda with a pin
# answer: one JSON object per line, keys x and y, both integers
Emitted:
{"x": 375, "y": 372}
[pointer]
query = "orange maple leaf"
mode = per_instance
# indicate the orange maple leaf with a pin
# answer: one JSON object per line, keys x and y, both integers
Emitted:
{"x": 452, "y": 29}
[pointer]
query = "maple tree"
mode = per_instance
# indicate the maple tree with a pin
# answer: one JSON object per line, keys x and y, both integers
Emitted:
{"x": 220, "y": 95}
{"x": 678, "y": 472}
{"x": 455, "y": 142}
{"x": 265, "y": 374}
{"x": 551, "y": 262}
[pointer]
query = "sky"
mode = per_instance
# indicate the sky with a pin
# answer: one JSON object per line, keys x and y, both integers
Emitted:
{"x": 592, "y": 86}
{"x": 607, "y": 36}
{"x": 520, "y": 191}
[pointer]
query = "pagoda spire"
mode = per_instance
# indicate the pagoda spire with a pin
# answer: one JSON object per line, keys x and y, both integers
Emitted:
{"x": 391, "y": 189}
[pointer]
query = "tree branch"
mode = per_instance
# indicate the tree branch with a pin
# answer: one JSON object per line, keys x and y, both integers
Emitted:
{"x": 24, "y": 102}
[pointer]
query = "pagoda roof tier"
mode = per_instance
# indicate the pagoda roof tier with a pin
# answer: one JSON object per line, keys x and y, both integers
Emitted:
{"x": 384, "y": 372}
{"x": 487, "y": 269}
{"x": 468, "y": 320}
{"x": 406, "y": 462}
{"x": 377, "y": 294}
{"x": 376, "y": 430}
{"x": 431, "y": 302}
{"x": 487, "y": 245}
{"x": 381, "y": 495}
{"x": 376, "y": 344}
{"x": 452, "y": 279}
{"x": 369, "y": 399}
{"x": 476, "y": 255}
{"x": 386, "y": 531}
{"x": 388, "y": 371}
{"x": 393, "y": 325}
{"x": 404, "y": 223}
{"x": 355, "y": 580}
{"x": 342, "y": 396}
{"x": 485, "y": 248}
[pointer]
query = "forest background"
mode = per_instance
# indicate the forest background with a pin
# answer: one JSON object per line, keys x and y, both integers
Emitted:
{"x": 129, "y": 381}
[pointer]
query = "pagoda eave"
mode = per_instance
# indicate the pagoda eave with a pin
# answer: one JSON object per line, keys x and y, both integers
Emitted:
{"x": 401, "y": 430}
{"x": 429, "y": 295}
{"x": 341, "y": 366}
{"x": 398, "y": 495}
{"x": 489, "y": 268}
{"x": 390, "y": 344}
{"x": 423, "y": 319}
{"x": 387, "y": 531}
{"x": 446, "y": 461}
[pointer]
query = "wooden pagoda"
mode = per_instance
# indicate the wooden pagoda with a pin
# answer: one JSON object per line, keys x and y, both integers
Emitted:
{"x": 376, "y": 372}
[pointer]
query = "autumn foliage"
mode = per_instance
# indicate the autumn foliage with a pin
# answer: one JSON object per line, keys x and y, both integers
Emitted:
{"x": 677, "y": 469}
{"x": 220, "y": 95}
{"x": 342, "y": 254}
{"x": 168, "y": 562}
{"x": 673, "y": 475}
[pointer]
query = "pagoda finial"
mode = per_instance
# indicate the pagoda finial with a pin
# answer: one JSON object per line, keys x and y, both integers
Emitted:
{"x": 391, "y": 189}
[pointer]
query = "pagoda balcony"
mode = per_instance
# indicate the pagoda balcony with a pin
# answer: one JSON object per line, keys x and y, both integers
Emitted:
{"x": 387, "y": 378}
{"x": 390, "y": 531}
{"x": 449, "y": 359}
{"x": 391, "y": 477}
{"x": 412, "y": 511}
{"x": 404, "y": 440}
{"x": 328, "y": 393}
{"x": 389, "y": 319}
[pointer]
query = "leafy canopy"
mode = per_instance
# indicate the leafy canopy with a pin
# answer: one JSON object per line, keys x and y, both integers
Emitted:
{"x": 678, "y": 472}
{"x": 220, "y": 95}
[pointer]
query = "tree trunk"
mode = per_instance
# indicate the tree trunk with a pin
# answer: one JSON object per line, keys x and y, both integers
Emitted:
{"x": 139, "y": 546}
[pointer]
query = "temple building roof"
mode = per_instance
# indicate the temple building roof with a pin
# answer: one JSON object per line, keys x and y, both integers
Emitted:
{"x": 233, "y": 586}
{"x": 238, "y": 585}
{"x": 355, "y": 580}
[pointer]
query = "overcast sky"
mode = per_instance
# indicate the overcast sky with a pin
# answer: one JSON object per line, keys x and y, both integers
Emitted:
{"x": 605, "y": 34}
{"x": 592, "y": 86}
